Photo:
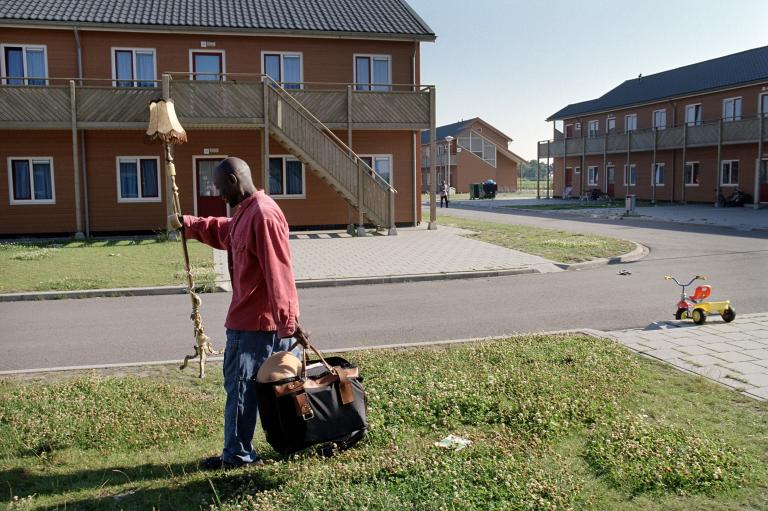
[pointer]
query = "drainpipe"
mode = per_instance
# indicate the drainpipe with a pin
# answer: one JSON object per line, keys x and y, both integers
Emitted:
{"x": 83, "y": 159}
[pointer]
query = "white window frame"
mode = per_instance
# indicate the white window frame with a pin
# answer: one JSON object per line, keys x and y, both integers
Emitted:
{"x": 592, "y": 179}
{"x": 31, "y": 200}
{"x": 730, "y": 172}
{"x": 632, "y": 167}
{"x": 607, "y": 124}
{"x": 760, "y": 104}
{"x": 391, "y": 166}
{"x": 460, "y": 143}
{"x": 194, "y": 175}
{"x": 371, "y": 83}
{"x": 303, "y": 194}
{"x": 24, "y": 48}
{"x": 223, "y": 54}
{"x": 577, "y": 170}
{"x": 735, "y": 117}
{"x": 140, "y": 198}
{"x": 653, "y": 119}
{"x": 656, "y": 167}
{"x": 698, "y": 164}
{"x": 593, "y": 132}
{"x": 282, "y": 55}
{"x": 134, "y": 79}
{"x": 695, "y": 122}
{"x": 626, "y": 119}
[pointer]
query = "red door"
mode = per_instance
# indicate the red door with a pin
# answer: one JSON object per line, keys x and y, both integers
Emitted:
{"x": 568, "y": 176}
{"x": 764, "y": 179}
{"x": 611, "y": 171}
{"x": 208, "y": 201}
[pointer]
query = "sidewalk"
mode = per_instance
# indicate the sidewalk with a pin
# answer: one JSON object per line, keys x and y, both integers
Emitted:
{"x": 733, "y": 354}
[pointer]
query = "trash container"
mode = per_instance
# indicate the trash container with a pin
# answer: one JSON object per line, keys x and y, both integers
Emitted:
{"x": 474, "y": 190}
{"x": 629, "y": 203}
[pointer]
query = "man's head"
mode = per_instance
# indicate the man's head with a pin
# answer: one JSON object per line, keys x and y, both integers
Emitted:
{"x": 232, "y": 178}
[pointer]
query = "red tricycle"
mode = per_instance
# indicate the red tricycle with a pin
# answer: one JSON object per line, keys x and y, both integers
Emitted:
{"x": 694, "y": 307}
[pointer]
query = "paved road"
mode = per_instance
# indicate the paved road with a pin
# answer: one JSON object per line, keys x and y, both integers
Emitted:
{"x": 137, "y": 329}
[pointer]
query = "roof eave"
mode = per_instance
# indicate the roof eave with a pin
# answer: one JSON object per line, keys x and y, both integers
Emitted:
{"x": 217, "y": 30}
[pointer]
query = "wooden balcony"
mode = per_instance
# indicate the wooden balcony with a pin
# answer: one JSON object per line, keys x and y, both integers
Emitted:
{"x": 234, "y": 103}
{"x": 743, "y": 131}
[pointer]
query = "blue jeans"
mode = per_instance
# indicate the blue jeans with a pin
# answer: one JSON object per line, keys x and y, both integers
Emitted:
{"x": 245, "y": 353}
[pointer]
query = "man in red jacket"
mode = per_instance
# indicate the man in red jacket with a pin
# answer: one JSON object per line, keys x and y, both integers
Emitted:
{"x": 263, "y": 314}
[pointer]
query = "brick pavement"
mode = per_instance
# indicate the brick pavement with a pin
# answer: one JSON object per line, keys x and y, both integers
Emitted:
{"x": 733, "y": 354}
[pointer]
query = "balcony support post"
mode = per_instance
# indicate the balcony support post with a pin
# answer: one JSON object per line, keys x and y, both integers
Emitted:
{"x": 653, "y": 166}
{"x": 549, "y": 167}
{"x": 538, "y": 175}
{"x": 75, "y": 160}
{"x": 265, "y": 137}
{"x": 605, "y": 162}
{"x": 628, "y": 168}
{"x": 565, "y": 161}
{"x": 685, "y": 147}
{"x": 350, "y": 209}
{"x": 360, "y": 191}
{"x": 432, "y": 161}
{"x": 756, "y": 195}
{"x": 582, "y": 176}
{"x": 719, "y": 166}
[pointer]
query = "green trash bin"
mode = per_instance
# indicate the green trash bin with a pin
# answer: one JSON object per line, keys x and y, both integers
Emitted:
{"x": 474, "y": 190}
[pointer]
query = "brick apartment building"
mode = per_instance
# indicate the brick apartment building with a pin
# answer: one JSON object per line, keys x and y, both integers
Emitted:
{"x": 337, "y": 136}
{"x": 478, "y": 151}
{"x": 688, "y": 134}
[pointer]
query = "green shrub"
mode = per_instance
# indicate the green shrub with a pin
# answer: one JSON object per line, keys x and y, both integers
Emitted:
{"x": 640, "y": 455}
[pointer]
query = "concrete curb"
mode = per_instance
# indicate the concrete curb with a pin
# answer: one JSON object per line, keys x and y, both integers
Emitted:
{"x": 98, "y": 293}
{"x": 636, "y": 254}
{"x": 391, "y": 279}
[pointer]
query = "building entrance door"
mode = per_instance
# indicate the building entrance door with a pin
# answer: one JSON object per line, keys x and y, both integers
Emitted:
{"x": 764, "y": 180}
{"x": 610, "y": 173}
{"x": 208, "y": 201}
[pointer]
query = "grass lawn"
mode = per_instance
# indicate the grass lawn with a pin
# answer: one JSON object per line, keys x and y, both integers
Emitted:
{"x": 562, "y": 246}
{"x": 578, "y": 204}
{"x": 566, "y": 422}
{"x": 72, "y": 265}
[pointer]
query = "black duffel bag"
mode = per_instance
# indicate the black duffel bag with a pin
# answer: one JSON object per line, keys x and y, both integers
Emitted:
{"x": 324, "y": 405}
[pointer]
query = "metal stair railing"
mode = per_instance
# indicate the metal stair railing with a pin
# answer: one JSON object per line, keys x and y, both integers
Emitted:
{"x": 319, "y": 147}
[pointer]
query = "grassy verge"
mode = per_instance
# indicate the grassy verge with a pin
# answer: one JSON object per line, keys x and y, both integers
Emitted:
{"x": 562, "y": 246}
{"x": 72, "y": 265}
{"x": 556, "y": 423}
{"x": 578, "y": 204}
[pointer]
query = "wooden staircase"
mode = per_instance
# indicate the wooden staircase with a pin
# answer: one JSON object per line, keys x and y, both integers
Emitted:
{"x": 312, "y": 142}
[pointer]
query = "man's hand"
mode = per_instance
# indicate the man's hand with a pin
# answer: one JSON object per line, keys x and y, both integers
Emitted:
{"x": 176, "y": 221}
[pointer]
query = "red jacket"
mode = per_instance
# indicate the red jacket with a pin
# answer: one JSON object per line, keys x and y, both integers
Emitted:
{"x": 264, "y": 294}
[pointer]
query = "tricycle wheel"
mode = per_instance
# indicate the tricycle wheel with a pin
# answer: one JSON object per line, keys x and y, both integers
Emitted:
{"x": 699, "y": 316}
{"x": 681, "y": 313}
{"x": 728, "y": 315}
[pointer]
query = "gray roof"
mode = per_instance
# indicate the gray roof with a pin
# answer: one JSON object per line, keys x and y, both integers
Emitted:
{"x": 449, "y": 129}
{"x": 732, "y": 70}
{"x": 389, "y": 18}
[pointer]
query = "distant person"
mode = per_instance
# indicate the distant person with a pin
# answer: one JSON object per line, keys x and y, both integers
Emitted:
{"x": 263, "y": 314}
{"x": 444, "y": 194}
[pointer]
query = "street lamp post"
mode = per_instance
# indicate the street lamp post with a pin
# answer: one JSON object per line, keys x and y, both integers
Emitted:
{"x": 448, "y": 141}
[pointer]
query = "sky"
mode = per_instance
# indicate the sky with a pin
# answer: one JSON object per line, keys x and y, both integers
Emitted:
{"x": 513, "y": 63}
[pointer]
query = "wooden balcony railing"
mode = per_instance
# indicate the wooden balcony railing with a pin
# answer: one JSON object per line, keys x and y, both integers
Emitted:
{"x": 742, "y": 131}
{"x": 234, "y": 102}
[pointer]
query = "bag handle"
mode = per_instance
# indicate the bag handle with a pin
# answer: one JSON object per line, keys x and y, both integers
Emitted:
{"x": 302, "y": 339}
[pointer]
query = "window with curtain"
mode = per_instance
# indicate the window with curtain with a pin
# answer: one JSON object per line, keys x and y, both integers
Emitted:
{"x": 660, "y": 119}
{"x": 693, "y": 115}
{"x": 658, "y": 174}
{"x": 32, "y": 180}
{"x": 286, "y": 177}
{"x": 592, "y": 175}
{"x": 284, "y": 68}
{"x": 24, "y": 65}
{"x": 692, "y": 173}
{"x": 134, "y": 67}
{"x": 730, "y": 173}
{"x": 630, "y": 123}
{"x": 630, "y": 175}
{"x": 372, "y": 72}
{"x": 732, "y": 109}
{"x": 138, "y": 179}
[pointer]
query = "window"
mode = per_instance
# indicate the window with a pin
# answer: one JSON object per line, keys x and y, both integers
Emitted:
{"x": 133, "y": 67}
{"x": 630, "y": 175}
{"x": 660, "y": 119}
{"x": 206, "y": 65}
{"x": 24, "y": 64}
{"x": 284, "y": 68}
{"x": 630, "y": 123}
{"x": 138, "y": 179}
{"x": 610, "y": 125}
{"x": 31, "y": 180}
{"x": 286, "y": 177}
{"x": 592, "y": 128}
{"x": 762, "y": 107}
{"x": 691, "y": 173}
{"x": 592, "y": 175}
{"x": 373, "y": 72}
{"x": 730, "y": 173}
{"x": 658, "y": 174}
{"x": 382, "y": 164}
{"x": 693, "y": 115}
{"x": 577, "y": 170}
{"x": 732, "y": 109}
{"x": 479, "y": 146}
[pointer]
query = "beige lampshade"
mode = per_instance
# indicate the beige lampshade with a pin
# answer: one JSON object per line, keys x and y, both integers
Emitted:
{"x": 279, "y": 367}
{"x": 164, "y": 126}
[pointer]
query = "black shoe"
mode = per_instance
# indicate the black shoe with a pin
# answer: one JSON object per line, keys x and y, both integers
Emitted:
{"x": 218, "y": 463}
